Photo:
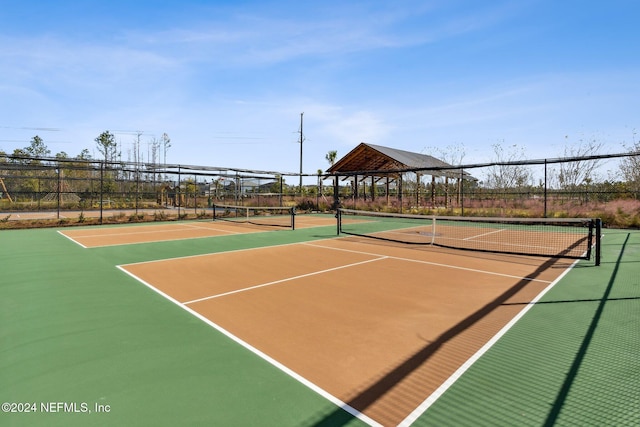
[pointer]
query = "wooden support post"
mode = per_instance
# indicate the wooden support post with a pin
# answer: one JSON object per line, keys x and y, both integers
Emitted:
{"x": 387, "y": 189}
{"x": 446, "y": 192}
{"x": 5, "y": 191}
{"x": 373, "y": 188}
{"x": 433, "y": 191}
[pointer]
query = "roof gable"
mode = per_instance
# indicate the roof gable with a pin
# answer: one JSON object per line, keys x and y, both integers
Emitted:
{"x": 370, "y": 157}
{"x": 409, "y": 159}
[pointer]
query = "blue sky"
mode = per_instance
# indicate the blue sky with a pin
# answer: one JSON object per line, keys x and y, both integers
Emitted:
{"x": 228, "y": 80}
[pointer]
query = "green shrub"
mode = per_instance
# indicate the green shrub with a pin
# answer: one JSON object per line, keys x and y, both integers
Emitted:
{"x": 159, "y": 216}
{"x": 305, "y": 205}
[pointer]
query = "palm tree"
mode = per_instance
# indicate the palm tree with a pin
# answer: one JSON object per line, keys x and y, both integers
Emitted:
{"x": 331, "y": 157}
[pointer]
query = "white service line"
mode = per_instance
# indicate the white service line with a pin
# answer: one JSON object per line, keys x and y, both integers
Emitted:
{"x": 455, "y": 267}
{"x": 133, "y": 233}
{"x": 151, "y": 232}
{"x": 284, "y": 280}
{"x": 484, "y": 234}
{"x": 214, "y": 229}
{"x": 344, "y": 406}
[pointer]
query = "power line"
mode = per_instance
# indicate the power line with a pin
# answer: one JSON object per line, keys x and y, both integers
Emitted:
{"x": 46, "y": 129}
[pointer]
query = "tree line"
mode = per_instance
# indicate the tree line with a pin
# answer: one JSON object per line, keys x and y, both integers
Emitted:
{"x": 107, "y": 147}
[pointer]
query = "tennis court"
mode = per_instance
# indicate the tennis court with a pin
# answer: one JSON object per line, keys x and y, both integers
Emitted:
{"x": 217, "y": 323}
{"x": 124, "y": 235}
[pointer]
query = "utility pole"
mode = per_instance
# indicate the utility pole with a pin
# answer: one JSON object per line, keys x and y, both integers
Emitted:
{"x": 301, "y": 140}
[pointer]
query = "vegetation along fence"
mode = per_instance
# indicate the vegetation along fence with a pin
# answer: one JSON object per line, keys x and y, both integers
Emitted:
{"x": 44, "y": 190}
{"x": 561, "y": 187}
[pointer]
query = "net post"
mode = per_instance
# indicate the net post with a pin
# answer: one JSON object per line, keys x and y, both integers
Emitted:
{"x": 433, "y": 229}
{"x": 293, "y": 217}
{"x": 338, "y": 221}
{"x": 598, "y": 240}
{"x": 213, "y": 205}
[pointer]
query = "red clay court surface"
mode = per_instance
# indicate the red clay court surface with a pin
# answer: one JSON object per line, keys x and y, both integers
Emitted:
{"x": 376, "y": 328}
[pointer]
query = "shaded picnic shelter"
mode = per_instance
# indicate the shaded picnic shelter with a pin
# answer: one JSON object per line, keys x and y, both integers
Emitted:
{"x": 386, "y": 171}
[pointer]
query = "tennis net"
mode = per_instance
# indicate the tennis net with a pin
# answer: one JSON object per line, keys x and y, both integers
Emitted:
{"x": 547, "y": 237}
{"x": 264, "y": 215}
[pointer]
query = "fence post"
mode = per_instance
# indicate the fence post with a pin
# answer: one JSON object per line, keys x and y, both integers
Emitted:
{"x": 59, "y": 190}
{"x": 461, "y": 192}
{"x": 545, "y": 188}
{"x": 598, "y": 240}
{"x": 101, "y": 189}
{"x": 178, "y": 193}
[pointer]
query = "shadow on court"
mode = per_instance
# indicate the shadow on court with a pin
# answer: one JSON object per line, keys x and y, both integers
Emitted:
{"x": 559, "y": 402}
{"x": 375, "y": 391}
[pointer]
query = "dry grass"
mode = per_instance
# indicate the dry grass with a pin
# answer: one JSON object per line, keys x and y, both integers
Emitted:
{"x": 6, "y": 223}
{"x": 623, "y": 213}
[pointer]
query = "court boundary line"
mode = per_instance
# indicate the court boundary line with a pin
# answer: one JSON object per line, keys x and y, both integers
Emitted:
{"x": 455, "y": 267}
{"x": 312, "y": 386}
{"x": 378, "y": 257}
{"x": 229, "y": 233}
{"x": 72, "y": 239}
{"x": 485, "y": 234}
{"x": 210, "y": 254}
{"x": 431, "y": 399}
{"x": 287, "y": 279}
{"x": 235, "y": 250}
{"x": 470, "y": 238}
{"x": 181, "y": 227}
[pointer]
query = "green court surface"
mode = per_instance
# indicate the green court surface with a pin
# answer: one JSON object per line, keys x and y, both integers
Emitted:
{"x": 82, "y": 344}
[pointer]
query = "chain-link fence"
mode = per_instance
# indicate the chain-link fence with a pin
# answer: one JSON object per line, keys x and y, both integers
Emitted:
{"x": 90, "y": 191}
{"x": 567, "y": 187}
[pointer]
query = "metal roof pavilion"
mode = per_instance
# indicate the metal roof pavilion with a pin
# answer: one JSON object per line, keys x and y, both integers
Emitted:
{"x": 368, "y": 159}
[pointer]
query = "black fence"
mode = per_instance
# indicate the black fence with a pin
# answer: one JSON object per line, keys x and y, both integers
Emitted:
{"x": 72, "y": 190}
{"x": 567, "y": 187}
{"x": 77, "y": 190}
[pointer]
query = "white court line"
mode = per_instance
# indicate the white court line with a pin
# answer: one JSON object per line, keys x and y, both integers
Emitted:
{"x": 72, "y": 239}
{"x": 152, "y": 232}
{"x": 275, "y": 282}
{"x": 199, "y": 227}
{"x": 179, "y": 227}
{"x": 211, "y": 253}
{"x": 331, "y": 398}
{"x": 422, "y": 408}
{"x": 500, "y": 243}
{"x": 139, "y": 243}
{"x": 133, "y": 233}
{"x": 484, "y": 234}
{"x": 455, "y": 267}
